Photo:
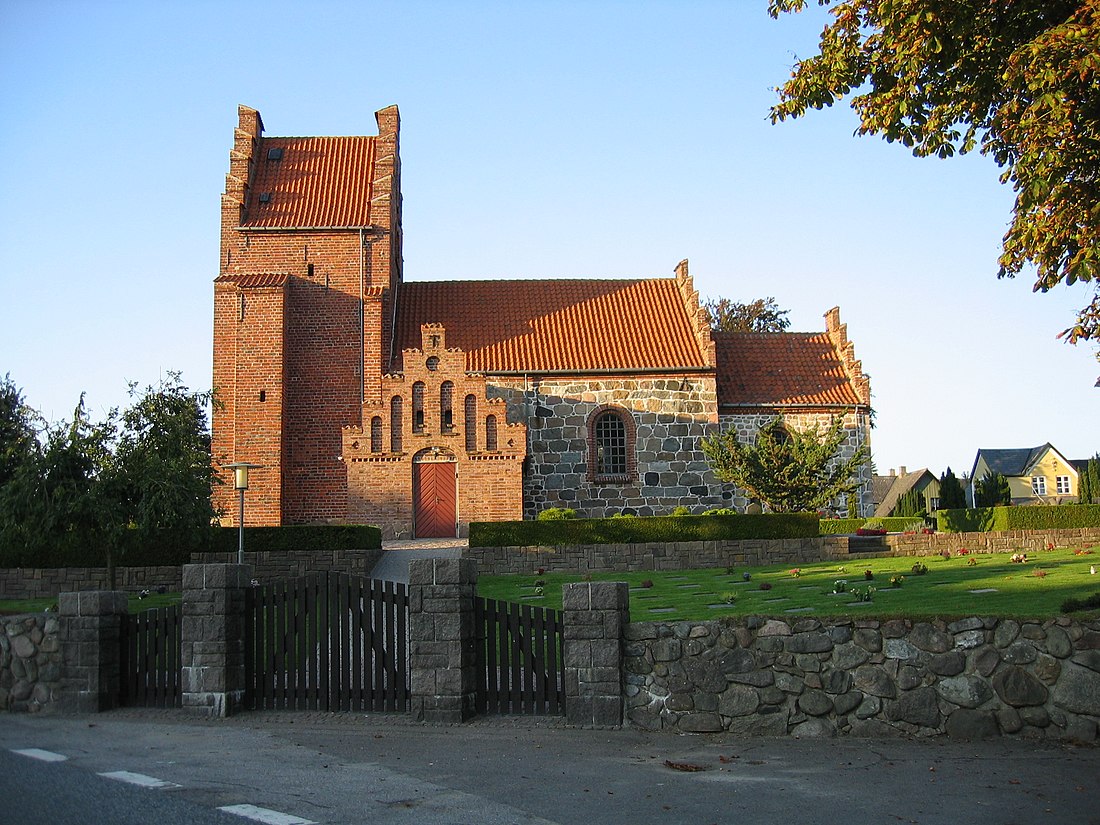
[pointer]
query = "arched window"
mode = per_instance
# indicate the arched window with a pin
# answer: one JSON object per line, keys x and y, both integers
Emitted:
{"x": 470, "y": 414}
{"x": 446, "y": 401}
{"x": 490, "y": 432}
{"x": 610, "y": 445}
{"x": 418, "y": 407}
{"x": 396, "y": 404}
{"x": 376, "y": 434}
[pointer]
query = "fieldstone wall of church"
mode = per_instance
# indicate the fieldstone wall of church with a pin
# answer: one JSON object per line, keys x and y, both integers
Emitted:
{"x": 670, "y": 416}
{"x": 747, "y": 424}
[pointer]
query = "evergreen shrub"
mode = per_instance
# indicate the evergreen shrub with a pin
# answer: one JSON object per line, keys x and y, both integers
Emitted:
{"x": 1039, "y": 517}
{"x": 642, "y": 529}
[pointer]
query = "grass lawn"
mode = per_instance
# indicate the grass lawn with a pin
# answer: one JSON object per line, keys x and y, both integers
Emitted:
{"x": 990, "y": 585}
{"x": 10, "y": 607}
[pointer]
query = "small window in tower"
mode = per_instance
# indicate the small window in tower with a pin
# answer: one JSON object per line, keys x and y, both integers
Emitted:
{"x": 490, "y": 432}
{"x": 309, "y": 270}
{"x": 275, "y": 153}
{"x": 432, "y": 363}
{"x": 240, "y": 307}
{"x": 418, "y": 407}
{"x": 446, "y": 403}
{"x": 263, "y": 396}
{"x": 265, "y": 197}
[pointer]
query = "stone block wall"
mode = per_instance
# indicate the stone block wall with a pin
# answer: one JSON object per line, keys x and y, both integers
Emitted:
{"x": 670, "y": 414}
{"x": 268, "y": 565}
{"x": 30, "y": 662}
{"x": 681, "y": 555}
{"x": 971, "y": 678}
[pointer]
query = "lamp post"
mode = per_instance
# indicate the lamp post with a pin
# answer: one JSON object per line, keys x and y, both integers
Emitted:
{"x": 240, "y": 481}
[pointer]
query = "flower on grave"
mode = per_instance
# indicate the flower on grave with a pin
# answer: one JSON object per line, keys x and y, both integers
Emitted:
{"x": 796, "y": 572}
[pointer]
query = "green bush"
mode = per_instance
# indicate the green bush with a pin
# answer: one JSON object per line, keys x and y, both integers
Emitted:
{"x": 174, "y": 547}
{"x": 556, "y": 514}
{"x": 997, "y": 519}
{"x": 639, "y": 530}
{"x": 841, "y": 526}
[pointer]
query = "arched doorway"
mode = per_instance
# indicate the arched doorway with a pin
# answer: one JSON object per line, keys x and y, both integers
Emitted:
{"x": 435, "y": 494}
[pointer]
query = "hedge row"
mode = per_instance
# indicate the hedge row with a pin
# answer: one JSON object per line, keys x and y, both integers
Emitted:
{"x": 639, "y": 530}
{"x": 893, "y": 524}
{"x": 996, "y": 519}
{"x": 174, "y": 547}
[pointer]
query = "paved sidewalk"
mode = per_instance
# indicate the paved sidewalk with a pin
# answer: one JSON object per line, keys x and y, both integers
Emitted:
{"x": 396, "y": 555}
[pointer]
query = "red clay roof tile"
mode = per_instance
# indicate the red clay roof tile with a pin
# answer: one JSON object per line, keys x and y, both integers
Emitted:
{"x": 318, "y": 182}
{"x": 253, "y": 280}
{"x": 556, "y": 325}
{"x": 797, "y": 368}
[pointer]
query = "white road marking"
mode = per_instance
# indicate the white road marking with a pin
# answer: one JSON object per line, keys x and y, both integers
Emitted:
{"x": 266, "y": 816}
{"x": 139, "y": 779}
{"x": 45, "y": 756}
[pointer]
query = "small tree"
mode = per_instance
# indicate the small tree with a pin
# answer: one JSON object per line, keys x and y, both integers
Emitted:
{"x": 788, "y": 470}
{"x": 910, "y": 503}
{"x": 952, "y": 495}
{"x": 761, "y": 315}
{"x": 992, "y": 490}
{"x": 1088, "y": 484}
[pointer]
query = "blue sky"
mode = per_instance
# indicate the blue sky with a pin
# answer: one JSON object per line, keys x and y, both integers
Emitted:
{"x": 594, "y": 139}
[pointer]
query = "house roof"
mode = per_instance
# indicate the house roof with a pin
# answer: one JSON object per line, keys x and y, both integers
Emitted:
{"x": 311, "y": 182}
{"x": 1014, "y": 462}
{"x": 254, "y": 280}
{"x": 767, "y": 368}
{"x": 898, "y": 486}
{"x": 555, "y": 326}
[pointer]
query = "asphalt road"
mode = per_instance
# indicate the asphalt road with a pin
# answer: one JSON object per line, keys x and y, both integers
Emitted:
{"x": 350, "y": 768}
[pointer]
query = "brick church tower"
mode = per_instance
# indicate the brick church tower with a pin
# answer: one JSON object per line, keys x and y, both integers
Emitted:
{"x": 310, "y": 264}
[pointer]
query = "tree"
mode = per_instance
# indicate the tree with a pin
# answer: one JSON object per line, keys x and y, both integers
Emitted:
{"x": 1088, "y": 484}
{"x": 761, "y": 315}
{"x": 18, "y": 431}
{"x": 161, "y": 471}
{"x": 788, "y": 470}
{"x": 952, "y": 495}
{"x": 992, "y": 490}
{"x": 1021, "y": 80}
{"x": 910, "y": 503}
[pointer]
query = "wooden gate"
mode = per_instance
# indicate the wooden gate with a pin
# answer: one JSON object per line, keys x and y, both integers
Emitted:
{"x": 150, "y": 658}
{"x": 520, "y": 659}
{"x": 328, "y": 642}
{"x": 434, "y": 496}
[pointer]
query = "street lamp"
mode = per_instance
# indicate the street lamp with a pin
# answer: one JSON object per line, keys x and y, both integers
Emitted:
{"x": 240, "y": 481}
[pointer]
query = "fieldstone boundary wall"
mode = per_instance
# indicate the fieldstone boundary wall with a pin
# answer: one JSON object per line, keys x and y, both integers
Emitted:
{"x": 688, "y": 555}
{"x": 268, "y": 565}
{"x": 30, "y": 662}
{"x": 973, "y": 678}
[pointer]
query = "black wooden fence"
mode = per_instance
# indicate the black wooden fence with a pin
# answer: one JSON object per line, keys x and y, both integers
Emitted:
{"x": 520, "y": 659}
{"x": 327, "y": 641}
{"x": 150, "y": 658}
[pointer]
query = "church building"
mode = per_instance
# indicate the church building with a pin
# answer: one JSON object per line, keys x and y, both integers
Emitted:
{"x": 421, "y": 406}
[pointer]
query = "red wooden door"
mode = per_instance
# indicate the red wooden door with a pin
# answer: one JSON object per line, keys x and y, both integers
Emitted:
{"x": 434, "y": 500}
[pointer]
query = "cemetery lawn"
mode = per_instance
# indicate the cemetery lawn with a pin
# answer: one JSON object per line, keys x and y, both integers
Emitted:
{"x": 956, "y": 587}
{"x": 11, "y": 607}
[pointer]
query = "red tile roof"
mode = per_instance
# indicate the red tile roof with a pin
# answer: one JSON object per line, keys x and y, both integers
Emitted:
{"x": 554, "y": 326}
{"x": 253, "y": 280}
{"x": 797, "y": 368}
{"x": 318, "y": 182}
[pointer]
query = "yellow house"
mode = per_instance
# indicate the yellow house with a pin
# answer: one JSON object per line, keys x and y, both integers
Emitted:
{"x": 1036, "y": 475}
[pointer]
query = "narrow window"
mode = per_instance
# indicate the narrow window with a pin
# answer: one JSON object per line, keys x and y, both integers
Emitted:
{"x": 263, "y": 396}
{"x": 396, "y": 403}
{"x": 490, "y": 432}
{"x": 470, "y": 414}
{"x": 1039, "y": 485}
{"x": 446, "y": 404}
{"x": 376, "y": 434}
{"x": 418, "y": 407}
{"x": 610, "y": 433}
